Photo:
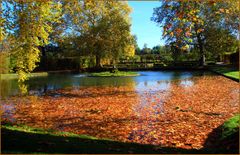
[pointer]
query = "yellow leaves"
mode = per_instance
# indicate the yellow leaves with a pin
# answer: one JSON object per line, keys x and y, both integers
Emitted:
{"x": 85, "y": 26}
{"x": 2, "y": 20}
{"x": 194, "y": 19}
{"x": 105, "y": 24}
{"x": 129, "y": 50}
{"x": 186, "y": 47}
{"x": 21, "y": 76}
{"x": 200, "y": 30}
{"x": 1, "y": 34}
{"x": 222, "y": 10}
{"x": 23, "y": 88}
{"x": 227, "y": 11}
{"x": 35, "y": 22}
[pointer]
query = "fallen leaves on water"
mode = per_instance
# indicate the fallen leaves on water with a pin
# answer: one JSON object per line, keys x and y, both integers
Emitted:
{"x": 180, "y": 116}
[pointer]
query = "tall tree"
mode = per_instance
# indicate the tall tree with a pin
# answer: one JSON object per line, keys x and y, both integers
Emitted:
{"x": 29, "y": 23}
{"x": 103, "y": 27}
{"x": 184, "y": 22}
{"x": 220, "y": 38}
{"x": 137, "y": 49}
{"x": 1, "y": 23}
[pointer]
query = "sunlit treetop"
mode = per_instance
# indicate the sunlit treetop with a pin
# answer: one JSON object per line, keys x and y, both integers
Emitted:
{"x": 182, "y": 19}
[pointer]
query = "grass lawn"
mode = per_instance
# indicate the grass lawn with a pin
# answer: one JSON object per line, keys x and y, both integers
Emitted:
{"x": 109, "y": 74}
{"x": 226, "y": 71}
{"x": 15, "y": 76}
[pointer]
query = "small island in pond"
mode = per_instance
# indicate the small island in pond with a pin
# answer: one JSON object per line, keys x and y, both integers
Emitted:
{"x": 110, "y": 74}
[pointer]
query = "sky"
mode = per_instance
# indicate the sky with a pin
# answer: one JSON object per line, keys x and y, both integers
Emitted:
{"x": 146, "y": 30}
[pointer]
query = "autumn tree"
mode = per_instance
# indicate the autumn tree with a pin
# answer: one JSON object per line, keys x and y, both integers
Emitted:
{"x": 103, "y": 27}
{"x": 1, "y": 23}
{"x": 137, "y": 49}
{"x": 219, "y": 42}
{"x": 30, "y": 23}
{"x": 184, "y": 22}
{"x": 129, "y": 50}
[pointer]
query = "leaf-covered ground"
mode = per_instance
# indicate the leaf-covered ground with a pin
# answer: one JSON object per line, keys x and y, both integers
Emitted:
{"x": 182, "y": 114}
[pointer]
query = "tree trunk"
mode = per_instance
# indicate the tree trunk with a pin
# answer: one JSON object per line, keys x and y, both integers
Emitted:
{"x": 98, "y": 61}
{"x": 203, "y": 57}
{"x": 43, "y": 57}
{"x": 97, "y": 47}
{"x": 202, "y": 60}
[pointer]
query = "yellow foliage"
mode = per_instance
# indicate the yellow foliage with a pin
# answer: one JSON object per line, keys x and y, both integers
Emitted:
{"x": 35, "y": 19}
{"x": 104, "y": 27}
{"x": 129, "y": 50}
{"x": 1, "y": 23}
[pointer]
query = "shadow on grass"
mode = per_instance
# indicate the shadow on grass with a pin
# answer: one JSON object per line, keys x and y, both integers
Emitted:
{"x": 226, "y": 137}
{"x": 228, "y": 71}
{"x": 23, "y": 142}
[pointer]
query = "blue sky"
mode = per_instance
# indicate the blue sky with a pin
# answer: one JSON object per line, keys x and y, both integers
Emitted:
{"x": 146, "y": 30}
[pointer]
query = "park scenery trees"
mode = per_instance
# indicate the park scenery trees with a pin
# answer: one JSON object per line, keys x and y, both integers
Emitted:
{"x": 197, "y": 23}
{"x": 99, "y": 29}
{"x": 75, "y": 79}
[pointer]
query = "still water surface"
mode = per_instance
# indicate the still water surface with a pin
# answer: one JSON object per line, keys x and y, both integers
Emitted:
{"x": 146, "y": 80}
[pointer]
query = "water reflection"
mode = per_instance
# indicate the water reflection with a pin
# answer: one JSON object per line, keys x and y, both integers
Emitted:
{"x": 40, "y": 85}
{"x": 187, "y": 83}
{"x": 134, "y": 109}
{"x": 9, "y": 110}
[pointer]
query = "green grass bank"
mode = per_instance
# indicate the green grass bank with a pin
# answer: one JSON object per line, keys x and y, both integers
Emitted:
{"x": 226, "y": 71}
{"x": 115, "y": 74}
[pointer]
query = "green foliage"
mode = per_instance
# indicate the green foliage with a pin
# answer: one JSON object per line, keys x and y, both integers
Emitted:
{"x": 87, "y": 62}
{"x": 219, "y": 41}
{"x": 102, "y": 28}
{"x": 134, "y": 41}
{"x": 146, "y": 50}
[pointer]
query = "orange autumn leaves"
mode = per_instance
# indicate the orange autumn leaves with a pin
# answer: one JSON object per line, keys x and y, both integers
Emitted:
{"x": 180, "y": 115}
{"x": 184, "y": 20}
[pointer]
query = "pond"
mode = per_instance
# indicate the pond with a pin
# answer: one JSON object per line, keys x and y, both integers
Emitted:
{"x": 40, "y": 85}
{"x": 176, "y": 109}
